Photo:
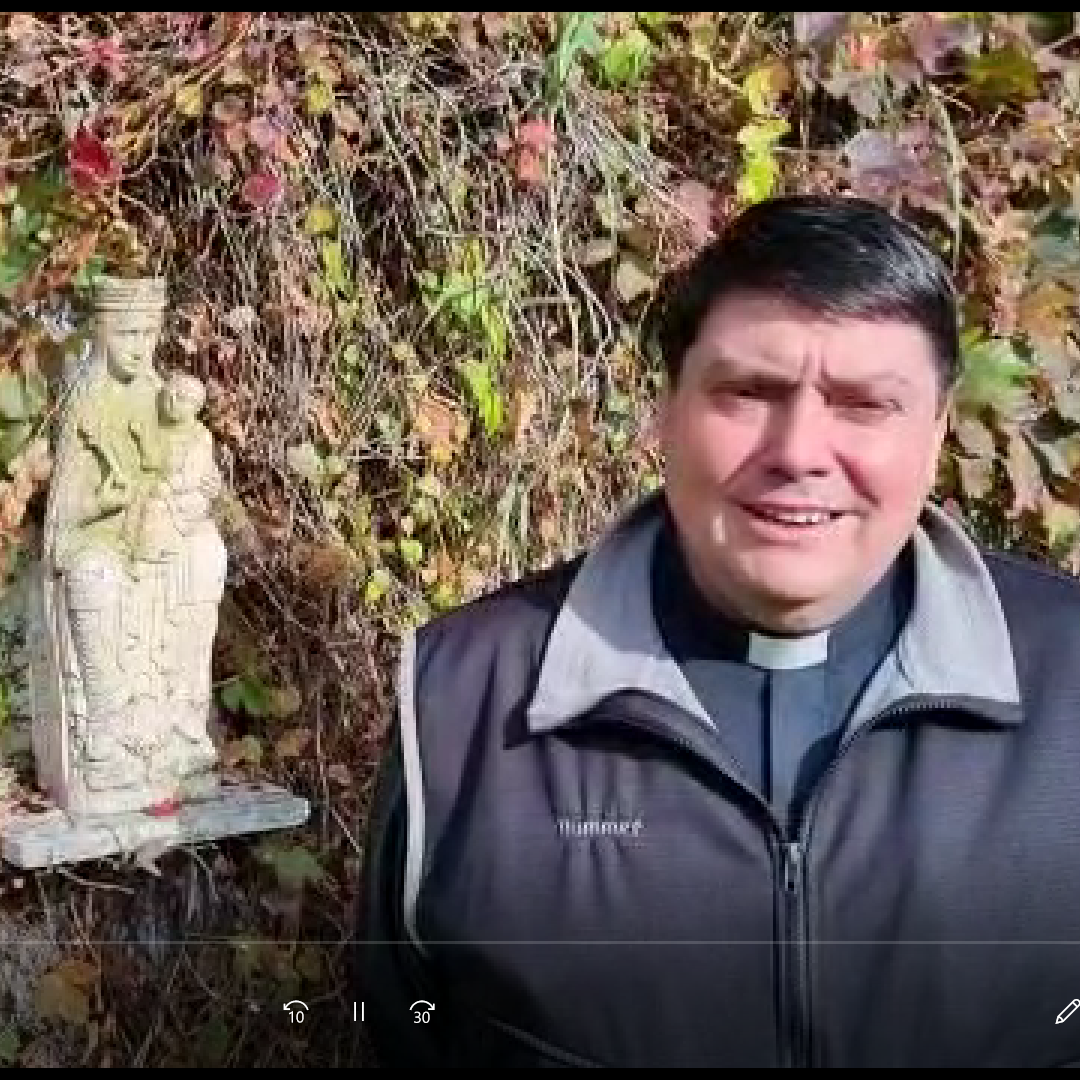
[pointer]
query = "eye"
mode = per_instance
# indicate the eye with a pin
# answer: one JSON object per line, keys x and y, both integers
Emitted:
{"x": 737, "y": 391}
{"x": 867, "y": 408}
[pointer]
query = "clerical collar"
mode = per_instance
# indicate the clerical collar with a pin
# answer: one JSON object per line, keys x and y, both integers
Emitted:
{"x": 693, "y": 628}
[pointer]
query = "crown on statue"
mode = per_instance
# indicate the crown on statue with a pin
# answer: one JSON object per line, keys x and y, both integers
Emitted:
{"x": 129, "y": 294}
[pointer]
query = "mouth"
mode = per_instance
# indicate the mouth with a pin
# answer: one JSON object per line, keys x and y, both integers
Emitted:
{"x": 791, "y": 520}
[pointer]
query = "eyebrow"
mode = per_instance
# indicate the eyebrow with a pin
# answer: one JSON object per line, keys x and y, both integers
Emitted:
{"x": 770, "y": 375}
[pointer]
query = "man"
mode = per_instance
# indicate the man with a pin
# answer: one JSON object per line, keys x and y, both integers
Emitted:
{"x": 786, "y": 770}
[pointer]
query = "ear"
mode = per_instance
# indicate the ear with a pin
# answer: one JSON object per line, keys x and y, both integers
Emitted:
{"x": 941, "y": 427}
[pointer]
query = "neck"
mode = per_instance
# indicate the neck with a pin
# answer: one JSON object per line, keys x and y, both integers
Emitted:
{"x": 702, "y": 621}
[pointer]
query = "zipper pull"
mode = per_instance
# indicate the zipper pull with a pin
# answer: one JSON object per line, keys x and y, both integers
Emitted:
{"x": 792, "y": 862}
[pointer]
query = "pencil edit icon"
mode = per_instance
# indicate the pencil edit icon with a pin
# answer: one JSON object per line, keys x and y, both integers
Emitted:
{"x": 1068, "y": 1011}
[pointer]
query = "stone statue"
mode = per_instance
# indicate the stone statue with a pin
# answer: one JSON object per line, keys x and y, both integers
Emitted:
{"x": 133, "y": 571}
{"x": 131, "y": 575}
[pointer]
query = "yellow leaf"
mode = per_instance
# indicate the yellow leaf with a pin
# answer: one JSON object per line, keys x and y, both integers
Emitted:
{"x": 320, "y": 218}
{"x": 319, "y": 97}
{"x": 246, "y": 749}
{"x": 234, "y": 75}
{"x": 1062, "y": 521}
{"x": 293, "y": 743}
{"x": 64, "y": 992}
{"x": 440, "y": 427}
{"x": 976, "y": 477}
{"x": 765, "y": 85}
{"x": 189, "y": 99}
{"x": 631, "y": 281}
{"x": 1043, "y": 314}
{"x": 285, "y": 701}
{"x": 1025, "y": 475}
{"x": 523, "y": 407}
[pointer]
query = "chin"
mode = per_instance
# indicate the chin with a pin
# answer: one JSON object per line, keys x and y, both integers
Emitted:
{"x": 799, "y": 603}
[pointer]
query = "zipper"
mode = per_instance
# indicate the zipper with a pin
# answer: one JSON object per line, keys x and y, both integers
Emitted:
{"x": 794, "y": 1003}
{"x": 795, "y": 969}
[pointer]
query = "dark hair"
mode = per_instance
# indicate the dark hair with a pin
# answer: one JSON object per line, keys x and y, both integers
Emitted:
{"x": 837, "y": 256}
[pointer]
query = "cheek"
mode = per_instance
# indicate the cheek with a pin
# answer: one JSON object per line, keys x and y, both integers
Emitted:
{"x": 891, "y": 472}
{"x": 706, "y": 446}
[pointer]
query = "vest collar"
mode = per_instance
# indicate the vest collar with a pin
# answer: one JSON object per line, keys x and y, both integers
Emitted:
{"x": 605, "y": 639}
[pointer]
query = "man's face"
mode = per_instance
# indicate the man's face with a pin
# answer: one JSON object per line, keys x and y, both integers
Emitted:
{"x": 799, "y": 453}
{"x": 130, "y": 344}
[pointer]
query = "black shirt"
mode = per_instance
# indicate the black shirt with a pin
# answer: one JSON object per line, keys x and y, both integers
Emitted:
{"x": 781, "y": 726}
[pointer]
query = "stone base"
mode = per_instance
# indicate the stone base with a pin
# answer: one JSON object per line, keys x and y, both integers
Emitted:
{"x": 53, "y": 837}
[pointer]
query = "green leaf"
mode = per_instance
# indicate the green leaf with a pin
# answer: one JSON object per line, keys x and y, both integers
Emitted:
{"x": 412, "y": 551}
{"x": 13, "y": 437}
{"x": 758, "y": 179}
{"x": 994, "y": 374}
{"x": 9, "y": 1044}
{"x": 378, "y": 584}
{"x": 231, "y": 695}
{"x": 1002, "y": 75}
{"x": 625, "y": 61}
{"x": 334, "y": 267}
{"x": 13, "y": 399}
{"x": 41, "y": 190}
{"x": 36, "y": 391}
{"x": 485, "y": 396}
{"x": 762, "y": 135}
{"x": 257, "y": 697}
{"x": 293, "y": 864}
{"x": 577, "y": 34}
{"x": 15, "y": 265}
{"x": 654, "y": 20}
{"x": 495, "y": 332}
{"x": 247, "y": 693}
{"x": 86, "y": 278}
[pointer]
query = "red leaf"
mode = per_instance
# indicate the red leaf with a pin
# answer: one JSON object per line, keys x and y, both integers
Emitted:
{"x": 265, "y": 134}
{"x": 262, "y": 189}
{"x": 196, "y": 49}
{"x": 92, "y": 163}
{"x": 527, "y": 168}
{"x": 536, "y": 135}
{"x": 104, "y": 53}
{"x": 165, "y": 808}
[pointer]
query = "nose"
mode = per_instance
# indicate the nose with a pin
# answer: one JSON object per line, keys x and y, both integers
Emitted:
{"x": 799, "y": 439}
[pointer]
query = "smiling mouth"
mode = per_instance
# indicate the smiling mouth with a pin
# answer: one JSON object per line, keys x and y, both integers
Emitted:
{"x": 794, "y": 518}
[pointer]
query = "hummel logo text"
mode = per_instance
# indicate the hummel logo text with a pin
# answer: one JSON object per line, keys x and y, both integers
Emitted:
{"x": 585, "y": 827}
